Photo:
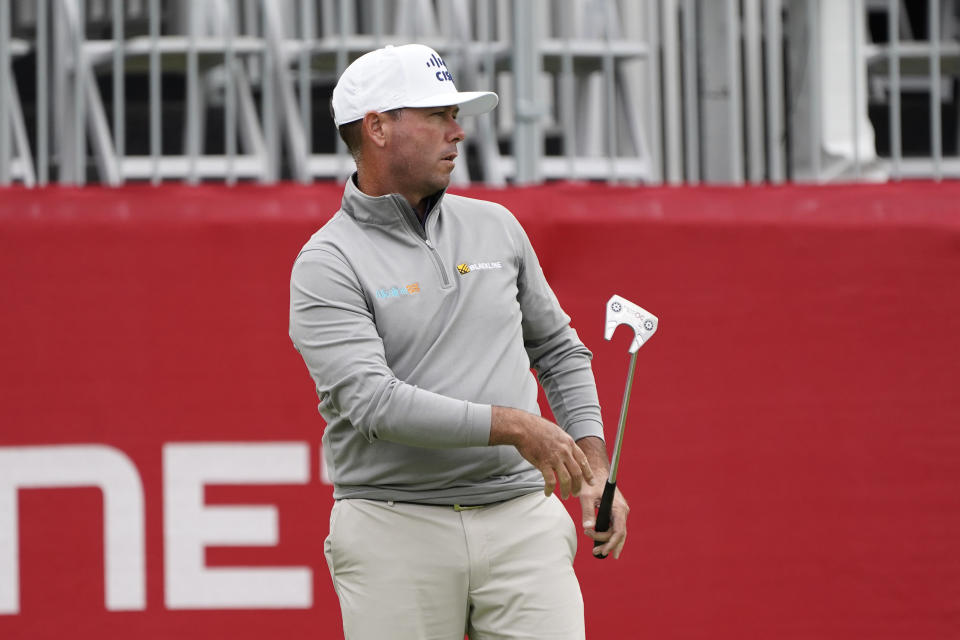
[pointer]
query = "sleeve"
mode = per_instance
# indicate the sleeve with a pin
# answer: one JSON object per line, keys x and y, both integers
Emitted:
{"x": 333, "y": 329}
{"x": 561, "y": 360}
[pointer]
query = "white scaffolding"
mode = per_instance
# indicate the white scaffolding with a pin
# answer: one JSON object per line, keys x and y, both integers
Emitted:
{"x": 639, "y": 91}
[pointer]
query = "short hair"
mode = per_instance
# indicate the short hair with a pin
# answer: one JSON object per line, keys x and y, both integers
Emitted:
{"x": 351, "y": 132}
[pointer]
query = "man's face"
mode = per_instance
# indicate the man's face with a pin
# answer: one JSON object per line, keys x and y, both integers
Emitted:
{"x": 423, "y": 149}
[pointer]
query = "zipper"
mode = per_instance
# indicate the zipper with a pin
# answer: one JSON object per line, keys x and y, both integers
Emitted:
{"x": 439, "y": 263}
{"x": 437, "y": 260}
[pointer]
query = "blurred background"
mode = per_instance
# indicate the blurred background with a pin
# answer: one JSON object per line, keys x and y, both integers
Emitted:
{"x": 774, "y": 179}
{"x": 673, "y": 91}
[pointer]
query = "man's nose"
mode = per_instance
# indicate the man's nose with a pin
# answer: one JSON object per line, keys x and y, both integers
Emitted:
{"x": 457, "y": 134}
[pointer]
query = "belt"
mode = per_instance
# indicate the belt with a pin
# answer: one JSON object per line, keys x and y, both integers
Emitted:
{"x": 468, "y": 507}
{"x": 455, "y": 507}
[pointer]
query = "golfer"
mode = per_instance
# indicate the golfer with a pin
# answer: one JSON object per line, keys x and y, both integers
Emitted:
{"x": 419, "y": 315}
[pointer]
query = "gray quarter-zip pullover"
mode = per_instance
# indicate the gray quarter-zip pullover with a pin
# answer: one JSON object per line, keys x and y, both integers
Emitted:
{"x": 412, "y": 332}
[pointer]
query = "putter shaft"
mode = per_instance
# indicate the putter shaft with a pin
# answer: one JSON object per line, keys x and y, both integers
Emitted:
{"x": 625, "y": 404}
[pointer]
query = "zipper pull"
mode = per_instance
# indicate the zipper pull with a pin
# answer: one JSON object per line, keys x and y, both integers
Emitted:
{"x": 429, "y": 244}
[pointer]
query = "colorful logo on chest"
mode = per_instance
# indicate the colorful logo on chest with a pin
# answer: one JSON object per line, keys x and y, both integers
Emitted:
{"x": 397, "y": 292}
{"x": 465, "y": 268}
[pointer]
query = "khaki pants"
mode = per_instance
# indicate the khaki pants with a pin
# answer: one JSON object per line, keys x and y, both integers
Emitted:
{"x": 406, "y": 571}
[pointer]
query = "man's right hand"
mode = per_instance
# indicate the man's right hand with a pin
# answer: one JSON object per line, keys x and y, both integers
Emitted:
{"x": 545, "y": 445}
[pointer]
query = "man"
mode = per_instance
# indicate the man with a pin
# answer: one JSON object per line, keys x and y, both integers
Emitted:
{"x": 419, "y": 315}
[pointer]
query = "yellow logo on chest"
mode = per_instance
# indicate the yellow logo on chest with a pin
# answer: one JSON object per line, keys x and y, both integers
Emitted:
{"x": 465, "y": 268}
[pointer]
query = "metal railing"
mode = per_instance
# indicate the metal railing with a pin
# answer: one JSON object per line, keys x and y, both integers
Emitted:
{"x": 676, "y": 91}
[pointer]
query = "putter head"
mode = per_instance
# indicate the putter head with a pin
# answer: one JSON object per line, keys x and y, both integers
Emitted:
{"x": 622, "y": 311}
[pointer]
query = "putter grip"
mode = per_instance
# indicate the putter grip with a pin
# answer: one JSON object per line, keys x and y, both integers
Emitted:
{"x": 603, "y": 513}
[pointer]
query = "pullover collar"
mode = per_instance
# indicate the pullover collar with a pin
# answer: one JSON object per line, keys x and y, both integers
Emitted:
{"x": 385, "y": 210}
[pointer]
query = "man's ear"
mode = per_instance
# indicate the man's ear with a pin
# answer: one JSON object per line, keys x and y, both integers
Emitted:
{"x": 373, "y": 128}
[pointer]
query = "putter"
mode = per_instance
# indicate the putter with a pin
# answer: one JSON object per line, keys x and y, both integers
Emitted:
{"x": 644, "y": 324}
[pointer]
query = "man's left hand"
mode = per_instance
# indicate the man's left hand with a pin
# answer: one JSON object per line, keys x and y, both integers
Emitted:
{"x": 590, "y": 494}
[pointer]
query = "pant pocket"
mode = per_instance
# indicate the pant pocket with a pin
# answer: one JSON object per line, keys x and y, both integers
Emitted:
{"x": 329, "y": 544}
{"x": 564, "y": 523}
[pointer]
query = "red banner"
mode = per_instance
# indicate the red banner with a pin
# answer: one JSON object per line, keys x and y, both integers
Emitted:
{"x": 791, "y": 457}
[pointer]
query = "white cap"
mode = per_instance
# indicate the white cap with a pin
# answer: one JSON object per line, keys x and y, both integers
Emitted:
{"x": 410, "y": 75}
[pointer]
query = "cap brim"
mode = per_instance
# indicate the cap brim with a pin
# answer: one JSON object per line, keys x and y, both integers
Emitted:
{"x": 471, "y": 103}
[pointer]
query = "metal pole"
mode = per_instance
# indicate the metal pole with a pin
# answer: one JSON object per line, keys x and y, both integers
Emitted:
{"x": 193, "y": 115}
{"x": 488, "y": 148}
{"x": 936, "y": 142}
{"x": 754, "y": 79}
{"x": 774, "y": 91}
{"x": 156, "y": 133}
{"x": 734, "y": 75}
{"x": 671, "y": 90}
{"x": 306, "y": 97}
{"x": 378, "y": 14}
{"x": 230, "y": 97}
{"x": 653, "y": 89}
{"x": 268, "y": 104}
{"x": 526, "y": 133}
{"x": 691, "y": 94}
{"x": 327, "y": 20}
{"x": 43, "y": 117}
{"x": 856, "y": 15}
{"x": 342, "y": 61}
{"x": 813, "y": 75}
{"x": 568, "y": 90}
{"x": 79, "y": 78}
{"x": 119, "y": 98}
{"x": 893, "y": 28}
{"x": 6, "y": 156}
{"x": 610, "y": 92}
{"x": 62, "y": 139}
